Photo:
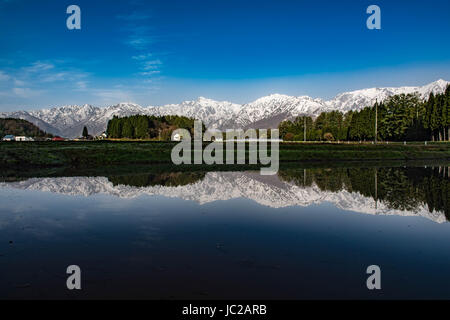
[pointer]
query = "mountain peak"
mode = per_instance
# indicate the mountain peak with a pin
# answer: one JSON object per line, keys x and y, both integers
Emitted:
{"x": 272, "y": 97}
{"x": 204, "y": 100}
{"x": 128, "y": 104}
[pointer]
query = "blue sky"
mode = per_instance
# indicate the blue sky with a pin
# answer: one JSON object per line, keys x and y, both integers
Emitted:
{"x": 157, "y": 52}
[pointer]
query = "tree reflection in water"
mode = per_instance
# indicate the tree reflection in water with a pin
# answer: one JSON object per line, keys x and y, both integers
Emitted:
{"x": 403, "y": 188}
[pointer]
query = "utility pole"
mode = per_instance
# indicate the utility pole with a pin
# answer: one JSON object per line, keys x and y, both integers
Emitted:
{"x": 376, "y": 121}
{"x": 304, "y": 129}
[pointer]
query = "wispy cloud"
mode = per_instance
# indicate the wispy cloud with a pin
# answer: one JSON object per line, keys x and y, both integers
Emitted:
{"x": 140, "y": 37}
{"x": 4, "y": 76}
{"x": 19, "y": 83}
{"x": 71, "y": 76}
{"x": 59, "y": 76}
{"x": 26, "y": 92}
{"x": 34, "y": 79}
{"x": 38, "y": 66}
{"x": 134, "y": 16}
{"x": 14, "y": 87}
{"x": 139, "y": 42}
{"x": 148, "y": 67}
{"x": 112, "y": 96}
{"x": 49, "y": 72}
{"x": 81, "y": 85}
{"x": 149, "y": 73}
{"x": 152, "y": 65}
{"x": 142, "y": 57}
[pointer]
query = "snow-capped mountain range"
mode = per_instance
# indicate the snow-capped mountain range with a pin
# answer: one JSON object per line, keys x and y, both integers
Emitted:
{"x": 220, "y": 186}
{"x": 266, "y": 112}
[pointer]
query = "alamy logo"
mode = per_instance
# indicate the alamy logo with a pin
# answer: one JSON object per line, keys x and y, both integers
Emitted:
{"x": 374, "y": 280}
{"x": 74, "y": 20}
{"x": 214, "y": 152}
{"x": 74, "y": 280}
{"x": 374, "y": 21}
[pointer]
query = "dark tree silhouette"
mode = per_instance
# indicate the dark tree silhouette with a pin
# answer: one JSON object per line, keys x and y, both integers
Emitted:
{"x": 85, "y": 132}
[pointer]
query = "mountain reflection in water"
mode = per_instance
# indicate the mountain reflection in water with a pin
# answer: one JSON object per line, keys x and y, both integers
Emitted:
{"x": 423, "y": 191}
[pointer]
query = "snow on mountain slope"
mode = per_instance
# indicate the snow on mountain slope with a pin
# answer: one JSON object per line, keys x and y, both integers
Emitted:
{"x": 212, "y": 113}
{"x": 70, "y": 120}
{"x": 267, "y": 191}
{"x": 359, "y": 99}
{"x": 274, "y": 106}
{"x": 266, "y": 112}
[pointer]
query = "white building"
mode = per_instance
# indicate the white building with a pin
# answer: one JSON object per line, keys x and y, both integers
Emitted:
{"x": 23, "y": 138}
{"x": 176, "y": 137}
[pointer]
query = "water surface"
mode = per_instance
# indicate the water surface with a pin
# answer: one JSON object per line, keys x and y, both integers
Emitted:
{"x": 305, "y": 233}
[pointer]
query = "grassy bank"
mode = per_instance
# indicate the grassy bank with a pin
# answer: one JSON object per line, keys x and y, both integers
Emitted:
{"x": 115, "y": 153}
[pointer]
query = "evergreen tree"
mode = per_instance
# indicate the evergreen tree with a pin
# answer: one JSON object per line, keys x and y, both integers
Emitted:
{"x": 85, "y": 132}
{"x": 435, "y": 117}
{"x": 445, "y": 114}
{"x": 127, "y": 129}
{"x": 145, "y": 127}
{"x": 142, "y": 128}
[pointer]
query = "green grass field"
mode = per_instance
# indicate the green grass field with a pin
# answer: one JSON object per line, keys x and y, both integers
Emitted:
{"x": 113, "y": 153}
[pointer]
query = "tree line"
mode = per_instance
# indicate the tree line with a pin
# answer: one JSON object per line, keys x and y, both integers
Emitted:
{"x": 403, "y": 117}
{"x": 147, "y": 127}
